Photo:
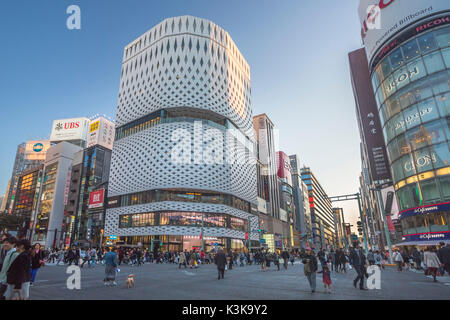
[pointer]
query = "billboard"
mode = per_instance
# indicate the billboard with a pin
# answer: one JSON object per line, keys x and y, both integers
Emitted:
{"x": 382, "y": 19}
{"x": 390, "y": 203}
{"x": 368, "y": 117}
{"x": 96, "y": 198}
{"x": 70, "y": 129}
{"x": 284, "y": 167}
{"x": 101, "y": 132}
{"x": 36, "y": 149}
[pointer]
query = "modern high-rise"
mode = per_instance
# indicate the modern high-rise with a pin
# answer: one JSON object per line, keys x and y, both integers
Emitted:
{"x": 29, "y": 155}
{"x": 182, "y": 167}
{"x": 409, "y": 65}
{"x": 322, "y": 217}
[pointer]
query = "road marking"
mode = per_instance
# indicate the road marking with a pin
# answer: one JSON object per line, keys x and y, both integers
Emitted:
{"x": 189, "y": 273}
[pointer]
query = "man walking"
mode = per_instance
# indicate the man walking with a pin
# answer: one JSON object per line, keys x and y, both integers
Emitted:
{"x": 310, "y": 269}
{"x": 444, "y": 257}
{"x": 11, "y": 254}
{"x": 220, "y": 260}
{"x": 358, "y": 262}
{"x": 285, "y": 257}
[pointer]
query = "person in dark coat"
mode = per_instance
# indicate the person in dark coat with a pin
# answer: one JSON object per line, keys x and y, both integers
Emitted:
{"x": 37, "y": 260}
{"x": 220, "y": 260}
{"x": 444, "y": 256}
{"x": 18, "y": 275}
{"x": 358, "y": 261}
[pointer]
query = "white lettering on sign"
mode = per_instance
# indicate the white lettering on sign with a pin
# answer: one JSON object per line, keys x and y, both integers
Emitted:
{"x": 420, "y": 162}
{"x": 400, "y": 79}
{"x": 413, "y": 118}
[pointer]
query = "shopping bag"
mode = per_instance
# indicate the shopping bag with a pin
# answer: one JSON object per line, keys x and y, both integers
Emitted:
{"x": 349, "y": 267}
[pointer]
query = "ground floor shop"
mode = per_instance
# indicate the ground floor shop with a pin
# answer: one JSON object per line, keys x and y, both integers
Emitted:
{"x": 179, "y": 243}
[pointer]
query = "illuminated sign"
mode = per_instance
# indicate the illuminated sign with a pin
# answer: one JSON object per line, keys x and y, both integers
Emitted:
{"x": 69, "y": 129}
{"x": 96, "y": 198}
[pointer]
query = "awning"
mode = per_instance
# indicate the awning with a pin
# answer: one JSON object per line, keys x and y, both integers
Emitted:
{"x": 420, "y": 243}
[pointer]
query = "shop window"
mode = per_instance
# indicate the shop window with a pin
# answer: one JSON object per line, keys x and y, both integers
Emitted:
{"x": 412, "y": 117}
{"x": 385, "y": 68}
{"x": 423, "y": 160}
{"x": 438, "y": 221}
{"x": 446, "y": 56}
{"x": 428, "y": 110}
{"x": 421, "y": 224}
{"x": 440, "y": 82}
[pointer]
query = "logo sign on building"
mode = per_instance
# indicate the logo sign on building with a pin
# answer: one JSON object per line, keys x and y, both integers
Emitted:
{"x": 101, "y": 132}
{"x": 70, "y": 129}
{"x": 96, "y": 198}
{"x": 36, "y": 149}
{"x": 368, "y": 118}
{"x": 392, "y": 17}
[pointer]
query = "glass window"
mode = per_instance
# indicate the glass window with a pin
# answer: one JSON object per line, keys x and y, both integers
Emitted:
{"x": 392, "y": 106}
{"x": 420, "y": 90}
{"x": 430, "y": 192}
{"x": 389, "y": 86}
{"x": 383, "y": 115}
{"x": 421, "y": 224}
{"x": 396, "y": 58}
{"x": 385, "y": 68}
{"x": 440, "y": 82}
{"x": 416, "y": 138}
{"x": 428, "y": 110}
{"x": 440, "y": 155}
{"x": 407, "y": 164}
{"x": 438, "y": 221}
{"x": 408, "y": 225}
{"x": 447, "y": 126}
{"x": 444, "y": 183}
{"x": 434, "y": 62}
{"x": 443, "y": 102}
{"x": 375, "y": 80}
{"x": 397, "y": 170}
{"x": 401, "y": 77}
{"x": 427, "y": 42}
{"x": 412, "y": 117}
{"x": 446, "y": 56}
{"x": 403, "y": 146}
{"x": 433, "y": 132}
{"x": 423, "y": 160}
{"x": 416, "y": 70}
{"x": 392, "y": 150}
{"x": 411, "y": 49}
{"x": 443, "y": 37}
{"x": 396, "y": 126}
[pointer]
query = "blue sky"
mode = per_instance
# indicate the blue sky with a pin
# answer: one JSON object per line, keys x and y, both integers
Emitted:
{"x": 297, "y": 51}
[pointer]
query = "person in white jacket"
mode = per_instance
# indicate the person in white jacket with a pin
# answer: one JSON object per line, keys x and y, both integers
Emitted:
{"x": 431, "y": 261}
{"x": 398, "y": 259}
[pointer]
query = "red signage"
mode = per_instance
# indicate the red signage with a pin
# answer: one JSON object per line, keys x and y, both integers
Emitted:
{"x": 246, "y": 236}
{"x": 96, "y": 198}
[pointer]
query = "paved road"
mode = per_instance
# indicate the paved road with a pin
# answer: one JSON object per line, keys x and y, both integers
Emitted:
{"x": 166, "y": 281}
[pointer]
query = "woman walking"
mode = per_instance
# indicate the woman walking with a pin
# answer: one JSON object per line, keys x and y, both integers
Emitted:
{"x": 431, "y": 261}
{"x": 326, "y": 278}
{"x": 37, "y": 260}
{"x": 398, "y": 259}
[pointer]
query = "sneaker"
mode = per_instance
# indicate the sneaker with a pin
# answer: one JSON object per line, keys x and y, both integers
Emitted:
{"x": 114, "y": 283}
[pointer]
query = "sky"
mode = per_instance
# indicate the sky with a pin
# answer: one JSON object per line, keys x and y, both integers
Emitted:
{"x": 297, "y": 51}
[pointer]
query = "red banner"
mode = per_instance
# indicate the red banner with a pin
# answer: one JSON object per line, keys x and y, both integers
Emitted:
{"x": 96, "y": 198}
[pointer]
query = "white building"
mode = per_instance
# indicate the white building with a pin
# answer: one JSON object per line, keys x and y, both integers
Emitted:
{"x": 183, "y": 84}
{"x": 50, "y": 213}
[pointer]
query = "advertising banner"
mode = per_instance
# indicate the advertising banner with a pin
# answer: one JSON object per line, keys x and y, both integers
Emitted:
{"x": 70, "y": 129}
{"x": 36, "y": 149}
{"x": 96, "y": 198}
{"x": 382, "y": 19}
{"x": 284, "y": 167}
{"x": 101, "y": 132}
{"x": 390, "y": 205}
{"x": 368, "y": 118}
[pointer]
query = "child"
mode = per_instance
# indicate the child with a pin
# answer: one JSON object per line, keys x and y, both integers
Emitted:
{"x": 326, "y": 278}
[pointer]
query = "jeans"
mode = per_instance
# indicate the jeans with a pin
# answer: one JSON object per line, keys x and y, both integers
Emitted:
{"x": 33, "y": 274}
{"x": 312, "y": 280}
{"x": 24, "y": 291}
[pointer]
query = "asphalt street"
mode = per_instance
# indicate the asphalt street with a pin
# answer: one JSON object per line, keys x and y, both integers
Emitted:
{"x": 167, "y": 282}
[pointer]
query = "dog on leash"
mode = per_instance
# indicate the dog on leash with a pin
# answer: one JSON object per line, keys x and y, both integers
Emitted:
{"x": 130, "y": 281}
